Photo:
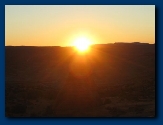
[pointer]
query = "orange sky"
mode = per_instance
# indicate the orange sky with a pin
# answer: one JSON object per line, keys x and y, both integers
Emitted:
{"x": 59, "y": 25}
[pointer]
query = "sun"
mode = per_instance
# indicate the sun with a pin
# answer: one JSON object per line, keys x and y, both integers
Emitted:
{"x": 82, "y": 44}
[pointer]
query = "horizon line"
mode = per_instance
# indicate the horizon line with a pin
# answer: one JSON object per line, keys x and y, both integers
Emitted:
{"x": 72, "y": 46}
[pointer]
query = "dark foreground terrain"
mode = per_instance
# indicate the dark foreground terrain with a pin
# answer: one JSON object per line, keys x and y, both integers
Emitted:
{"x": 114, "y": 80}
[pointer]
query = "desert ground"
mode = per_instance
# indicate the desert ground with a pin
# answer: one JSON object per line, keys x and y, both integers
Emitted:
{"x": 110, "y": 80}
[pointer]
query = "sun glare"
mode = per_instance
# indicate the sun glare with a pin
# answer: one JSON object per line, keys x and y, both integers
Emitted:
{"x": 82, "y": 44}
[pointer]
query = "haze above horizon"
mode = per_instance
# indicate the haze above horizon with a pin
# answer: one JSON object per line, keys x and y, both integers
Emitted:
{"x": 59, "y": 25}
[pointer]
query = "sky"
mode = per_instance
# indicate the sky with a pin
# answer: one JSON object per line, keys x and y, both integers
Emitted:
{"x": 59, "y": 25}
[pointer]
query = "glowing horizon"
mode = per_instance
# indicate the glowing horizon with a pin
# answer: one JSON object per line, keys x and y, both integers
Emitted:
{"x": 58, "y": 25}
